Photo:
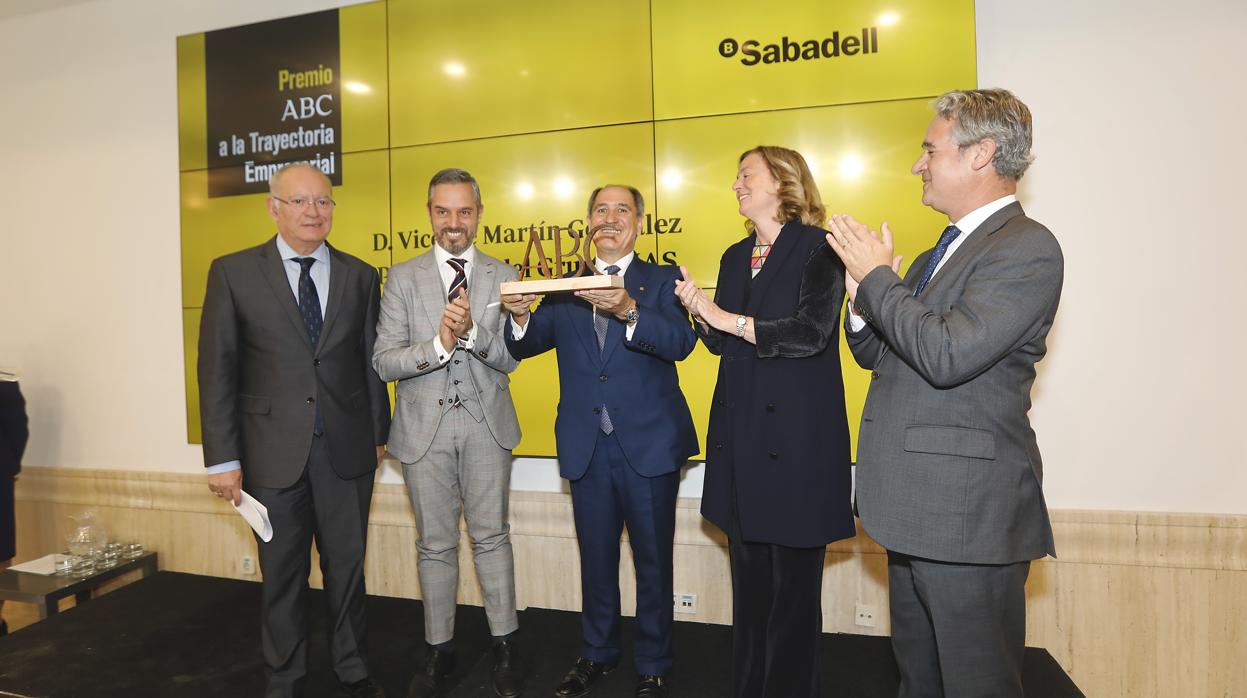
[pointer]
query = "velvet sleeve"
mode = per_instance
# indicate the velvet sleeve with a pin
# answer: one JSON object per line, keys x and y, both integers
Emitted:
{"x": 814, "y": 322}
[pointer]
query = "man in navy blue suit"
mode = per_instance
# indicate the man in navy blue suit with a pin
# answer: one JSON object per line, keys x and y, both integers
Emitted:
{"x": 623, "y": 431}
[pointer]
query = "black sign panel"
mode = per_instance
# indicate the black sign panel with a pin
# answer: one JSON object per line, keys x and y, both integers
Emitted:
{"x": 274, "y": 97}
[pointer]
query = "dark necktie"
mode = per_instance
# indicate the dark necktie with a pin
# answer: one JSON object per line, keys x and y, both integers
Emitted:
{"x": 461, "y": 278}
{"x": 309, "y": 308}
{"x": 601, "y": 322}
{"x": 946, "y": 238}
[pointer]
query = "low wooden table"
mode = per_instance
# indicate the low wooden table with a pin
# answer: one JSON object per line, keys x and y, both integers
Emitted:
{"x": 47, "y": 590}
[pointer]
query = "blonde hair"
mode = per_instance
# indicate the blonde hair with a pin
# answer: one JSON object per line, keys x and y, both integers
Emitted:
{"x": 798, "y": 194}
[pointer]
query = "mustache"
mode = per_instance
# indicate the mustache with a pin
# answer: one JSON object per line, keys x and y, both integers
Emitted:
{"x": 605, "y": 226}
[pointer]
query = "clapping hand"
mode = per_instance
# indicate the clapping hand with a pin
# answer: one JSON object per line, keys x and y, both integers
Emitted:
{"x": 694, "y": 299}
{"x": 861, "y": 249}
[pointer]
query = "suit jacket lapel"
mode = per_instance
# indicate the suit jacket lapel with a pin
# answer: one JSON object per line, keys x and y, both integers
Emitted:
{"x": 580, "y": 315}
{"x": 781, "y": 250}
{"x": 480, "y": 285}
{"x": 634, "y": 279}
{"x": 274, "y": 272}
{"x": 429, "y": 284}
{"x": 965, "y": 252}
{"x": 339, "y": 279}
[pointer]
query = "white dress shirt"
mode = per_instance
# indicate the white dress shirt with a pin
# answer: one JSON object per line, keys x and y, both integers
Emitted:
{"x": 967, "y": 225}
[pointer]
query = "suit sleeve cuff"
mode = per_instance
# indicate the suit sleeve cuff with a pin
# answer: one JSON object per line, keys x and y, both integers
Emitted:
{"x": 856, "y": 322}
{"x": 517, "y": 331}
{"x": 226, "y": 467}
{"x": 442, "y": 355}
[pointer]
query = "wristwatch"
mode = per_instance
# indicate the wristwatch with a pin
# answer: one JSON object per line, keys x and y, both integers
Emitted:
{"x": 631, "y": 315}
{"x": 741, "y": 321}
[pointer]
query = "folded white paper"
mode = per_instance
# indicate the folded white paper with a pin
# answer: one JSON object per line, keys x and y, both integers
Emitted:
{"x": 256, "y": 516}
{"x": 44, "y": 565}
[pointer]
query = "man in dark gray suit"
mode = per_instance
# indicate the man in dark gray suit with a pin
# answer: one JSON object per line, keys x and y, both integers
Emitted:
{"x": 290, "y": 403}
{"x": 948, "y": 471}
{"x": 440, "y": 337}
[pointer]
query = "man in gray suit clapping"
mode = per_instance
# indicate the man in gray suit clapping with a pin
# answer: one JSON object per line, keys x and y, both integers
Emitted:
{"x": 440, "y": 337}
{"x": 948, "y": 471}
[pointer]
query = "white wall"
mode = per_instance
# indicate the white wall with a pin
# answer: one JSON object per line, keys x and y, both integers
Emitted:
{"x": 1137, "y": 406}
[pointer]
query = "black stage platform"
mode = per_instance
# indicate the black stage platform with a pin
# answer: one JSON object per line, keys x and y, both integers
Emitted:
{"x": 189, "y": 636}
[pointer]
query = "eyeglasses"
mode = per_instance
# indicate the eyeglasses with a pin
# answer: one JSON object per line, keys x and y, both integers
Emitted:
{"x": 323, "y": 202}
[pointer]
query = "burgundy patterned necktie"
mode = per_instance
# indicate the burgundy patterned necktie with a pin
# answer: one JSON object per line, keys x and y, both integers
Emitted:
{"x": 461, "y": 278}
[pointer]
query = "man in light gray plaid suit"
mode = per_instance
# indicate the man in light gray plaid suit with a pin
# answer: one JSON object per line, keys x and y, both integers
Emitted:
{"x": 454, "y": 424}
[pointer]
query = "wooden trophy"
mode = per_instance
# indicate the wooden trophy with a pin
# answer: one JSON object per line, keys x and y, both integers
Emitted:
{"x": 548, "y": 280}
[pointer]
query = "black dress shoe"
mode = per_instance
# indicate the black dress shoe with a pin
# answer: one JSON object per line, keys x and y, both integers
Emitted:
{"x": 581, "y": 678}
{"x": 432, "y": 681}
{"x": 651, "y": 687}
{"x": 508, "y": 673}
{"x": 364, "y": 688}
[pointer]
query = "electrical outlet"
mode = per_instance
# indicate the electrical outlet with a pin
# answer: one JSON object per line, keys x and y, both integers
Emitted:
{"x": 247, "y": 564}
{"x": 865, "y": 616}
{"x": 685, "y": 603}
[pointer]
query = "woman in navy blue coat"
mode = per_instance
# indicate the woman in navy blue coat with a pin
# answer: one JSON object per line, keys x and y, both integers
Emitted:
{"x": 777, "y": 451}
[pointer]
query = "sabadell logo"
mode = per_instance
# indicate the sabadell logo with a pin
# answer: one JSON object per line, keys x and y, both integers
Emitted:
{"x": 753, "y": 52}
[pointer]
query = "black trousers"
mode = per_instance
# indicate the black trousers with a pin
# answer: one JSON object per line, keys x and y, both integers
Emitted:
{"x": 334, "y": 512}
{"x": 777, "y": 620}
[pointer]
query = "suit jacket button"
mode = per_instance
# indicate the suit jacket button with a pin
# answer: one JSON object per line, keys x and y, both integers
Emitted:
{"x": 456, "y": 362}
{"x": 315, "y": 362}
{"x": 602, "y": 378}
{"x": 597, "y": 410}
{"x": 874, "y": 375}
{"x": 770, "y": 407}
{"x": 718, "y": 446}
{"x": 310, "y": 400}
{"x": 773, "y": 455}
{"x": 440, "y": 401}
{"x": 720, "y": 403}
{"x": 456, "y": 382}
{"x": 484, "y": 354}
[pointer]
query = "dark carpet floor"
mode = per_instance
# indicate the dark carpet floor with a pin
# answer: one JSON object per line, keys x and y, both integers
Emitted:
{"x": 189, "y": 636}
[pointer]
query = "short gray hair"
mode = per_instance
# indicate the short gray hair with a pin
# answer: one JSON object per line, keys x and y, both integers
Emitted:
{"x": 275, "y": 180}
{"x": 991, "y": 114}
{"x": 454, "y": 175}
{"x": 637, "y": 199}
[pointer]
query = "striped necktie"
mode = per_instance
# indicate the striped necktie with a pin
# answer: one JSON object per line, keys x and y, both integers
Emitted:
{"x": 461, "y": 278}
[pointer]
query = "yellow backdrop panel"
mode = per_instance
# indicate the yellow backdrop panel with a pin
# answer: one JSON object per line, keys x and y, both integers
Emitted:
{"x": 542, "y": 102}
{"x": 516, "y": 67}
{"x": 365, "y": 84}
{"x": 192, "y": 104}
{"x": 924, "y": 47}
